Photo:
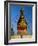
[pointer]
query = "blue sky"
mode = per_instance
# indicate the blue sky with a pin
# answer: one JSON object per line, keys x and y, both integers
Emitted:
{"x": 15, "y": 14}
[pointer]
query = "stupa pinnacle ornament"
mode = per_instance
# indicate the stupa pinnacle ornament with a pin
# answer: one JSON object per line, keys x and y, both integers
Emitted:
{"x": 22, "y": 24}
